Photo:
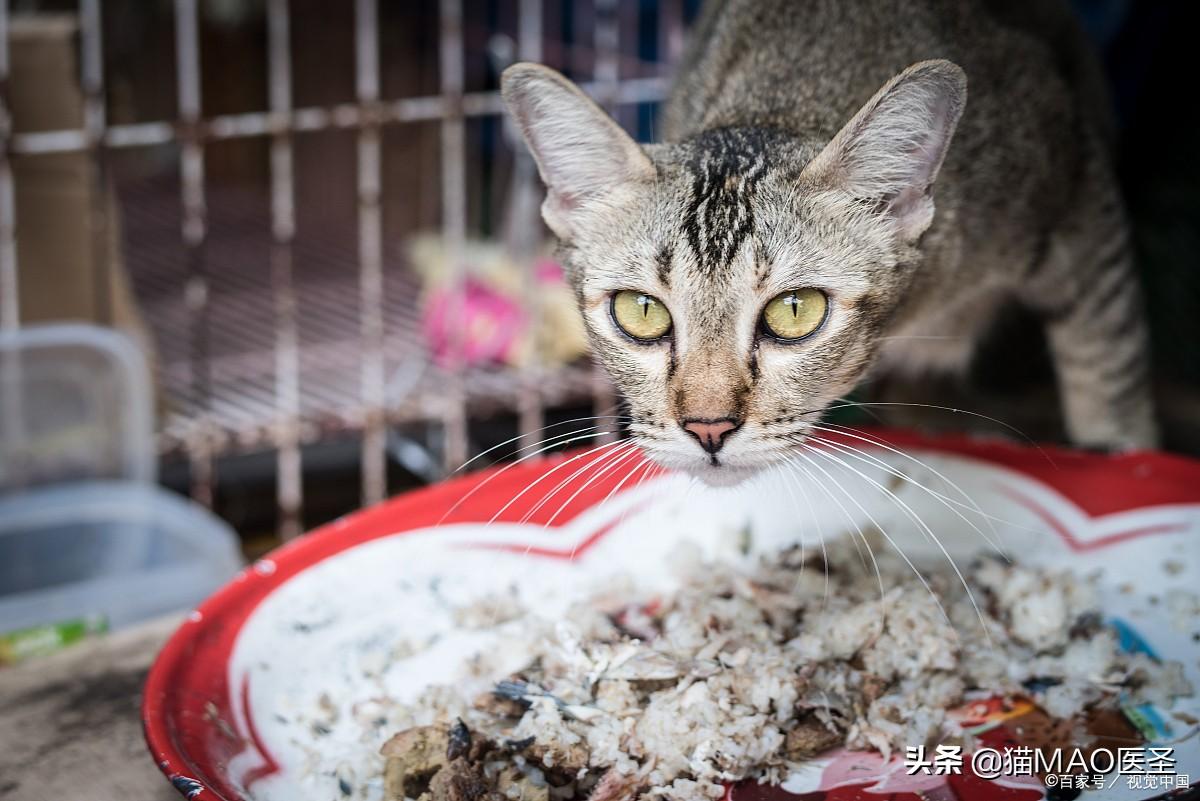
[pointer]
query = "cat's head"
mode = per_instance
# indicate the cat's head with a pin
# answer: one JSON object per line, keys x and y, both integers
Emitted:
{"x": 736, "y": 283}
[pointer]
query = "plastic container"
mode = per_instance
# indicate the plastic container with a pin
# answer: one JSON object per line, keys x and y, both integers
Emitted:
{"x": 75, "y": 403}
{"x": 120, "y": 551}
{"x": 87, "y": 540}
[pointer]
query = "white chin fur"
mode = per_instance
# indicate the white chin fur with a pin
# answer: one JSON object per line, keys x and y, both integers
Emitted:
{"x": 729, "y": 471}
{"x": 722, "y": 475}
{"x": 719, "y": 475}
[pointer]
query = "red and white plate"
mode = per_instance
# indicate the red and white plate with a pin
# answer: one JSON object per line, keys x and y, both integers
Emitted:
{"x": 226, "y": 701}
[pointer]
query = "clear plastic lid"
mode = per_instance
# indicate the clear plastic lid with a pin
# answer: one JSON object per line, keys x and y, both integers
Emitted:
{"x": 75, "y": 403}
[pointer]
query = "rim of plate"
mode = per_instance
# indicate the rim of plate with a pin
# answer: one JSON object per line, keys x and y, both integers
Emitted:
{"x": 177, "y": 686}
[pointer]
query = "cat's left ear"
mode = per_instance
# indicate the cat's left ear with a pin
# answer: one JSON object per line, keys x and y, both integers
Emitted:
{"x": 581, "y": 152}
{"x": 889, "y": 154}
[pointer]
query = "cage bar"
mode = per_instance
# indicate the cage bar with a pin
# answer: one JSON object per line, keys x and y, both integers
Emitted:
{"x": 629, "y": 25}
{"x": 370, "y": 253}
{"x": 10, "y": 302}
{"x": 289, "y": 487}
{"x": 311, "y": 119}
{"x": 454, "y": 217}
{"x": 94, "y": 115}
{"x": 240, "y": 400}
{"x": 607, "y": 43}
{"x": 11, "y": 405}
{"x": 526, "y": 233}
{"x": 670, "y": 22}
{"x": 191, "y": 169}
{"x": 92, "y": 73}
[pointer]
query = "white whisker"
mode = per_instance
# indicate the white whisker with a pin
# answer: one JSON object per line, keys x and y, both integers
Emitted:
{"x": 633, "y": 451}
{"x": 895, "y": 546}
{"x": 952, "y": 409}
{"x": 970, "y": 505}
{"x": 925, "y": 527}
{"x": 524, "y": 518}
{"x": 612, "y": 418}
{"x": 611, "y": 463}
{"x": 645, "y": 472}
{"x": 555, "y": 442}
{"x": 619, "y": 446}
{"x": 854, "y": 523}
{"x": 617, "y": 488}
{"x": 552, "y": 471}
{"x": 812, "y": 519}
{"x": 863, "y": 456}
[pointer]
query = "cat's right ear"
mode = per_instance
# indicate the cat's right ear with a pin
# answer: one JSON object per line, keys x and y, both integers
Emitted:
{"x": 889, "y": 154}
{"x": 581, "y": 152}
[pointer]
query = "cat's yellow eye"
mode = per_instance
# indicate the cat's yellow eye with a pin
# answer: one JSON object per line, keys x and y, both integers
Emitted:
{"x": 640, "y": 315}
{"x": 795, "y": 314}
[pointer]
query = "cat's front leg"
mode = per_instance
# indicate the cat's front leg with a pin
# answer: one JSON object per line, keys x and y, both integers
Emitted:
{"x": 1102, "y": 360}
{"x": 1094, "y": 314}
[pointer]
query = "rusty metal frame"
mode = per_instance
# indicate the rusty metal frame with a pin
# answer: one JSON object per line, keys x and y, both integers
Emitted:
{"x": 367, "y": 116}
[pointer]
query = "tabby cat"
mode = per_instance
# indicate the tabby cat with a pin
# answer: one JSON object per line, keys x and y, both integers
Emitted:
{"x": 782, "y": 240}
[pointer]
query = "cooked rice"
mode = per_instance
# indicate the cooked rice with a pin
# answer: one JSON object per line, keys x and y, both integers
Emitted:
{"x": 743, "y": 672}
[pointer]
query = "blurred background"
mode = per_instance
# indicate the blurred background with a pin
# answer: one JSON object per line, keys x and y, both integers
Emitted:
{"x": 282, "y": 257}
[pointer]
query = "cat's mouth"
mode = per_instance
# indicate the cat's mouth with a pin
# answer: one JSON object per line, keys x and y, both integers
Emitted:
{"x": 746, "y": 452}
{"x": 718, "y": 473}
{"x": 725, "y": 468}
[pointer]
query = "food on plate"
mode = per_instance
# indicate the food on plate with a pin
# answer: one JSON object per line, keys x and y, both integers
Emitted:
{"x": 743, "y": 671}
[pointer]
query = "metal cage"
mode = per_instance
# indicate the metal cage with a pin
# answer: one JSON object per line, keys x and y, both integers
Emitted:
{"x": 217, "y": 405}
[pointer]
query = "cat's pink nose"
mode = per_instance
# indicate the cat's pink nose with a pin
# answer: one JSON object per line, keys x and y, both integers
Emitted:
{"x": 710, "y": 434}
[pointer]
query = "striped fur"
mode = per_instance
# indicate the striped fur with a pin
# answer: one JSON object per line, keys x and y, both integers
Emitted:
{"x": 830, "y": 144}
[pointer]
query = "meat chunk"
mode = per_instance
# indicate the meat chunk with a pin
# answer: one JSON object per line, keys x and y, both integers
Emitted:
{"x": 459, "y": 780}
{"x": 413, "y": 757}
{"x": 616, "y": 786}
{"x": 499, "y": 705}
{"x": 809, "y": 738}
{"x": 516, "y": 786}
{"x": 559, "y": 757}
